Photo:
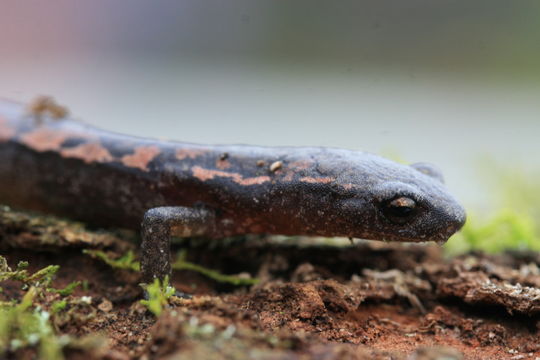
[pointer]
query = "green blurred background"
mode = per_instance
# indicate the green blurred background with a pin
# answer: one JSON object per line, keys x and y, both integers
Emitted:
{"x": 456, "y": 83}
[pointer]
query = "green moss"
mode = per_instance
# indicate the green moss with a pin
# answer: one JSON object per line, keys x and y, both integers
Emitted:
{"x": 128, "y": 262}
{"x": 515, "y": 222}
{"x": 58, "y": 306}
{"x": 26, "y": 323}
{"x": 85, "y": 285}
{"x": 182, "y": 264}
{"x": 507, "y": 230}
{"x": 21, "y": 326}
{"x": 158, "y": 294}
{"x": 68, "y": 290}
{"x": 41, "y": 278}
{"x": 125, "y": 262}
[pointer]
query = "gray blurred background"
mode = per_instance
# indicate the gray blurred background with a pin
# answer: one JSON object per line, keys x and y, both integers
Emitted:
{"x": 450, "y": 82}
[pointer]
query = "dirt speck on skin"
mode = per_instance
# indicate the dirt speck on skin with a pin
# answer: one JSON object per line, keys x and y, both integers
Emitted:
{"x": 364, "y": 301}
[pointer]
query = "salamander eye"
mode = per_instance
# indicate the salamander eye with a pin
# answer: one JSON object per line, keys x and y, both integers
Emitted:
{"x": 399, "y": 210}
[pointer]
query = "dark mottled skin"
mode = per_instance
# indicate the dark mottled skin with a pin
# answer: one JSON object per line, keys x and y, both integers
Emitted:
{"x": 107, "y": 179}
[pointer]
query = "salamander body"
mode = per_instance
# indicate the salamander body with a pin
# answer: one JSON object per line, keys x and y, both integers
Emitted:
{"x": 71, "y": 169}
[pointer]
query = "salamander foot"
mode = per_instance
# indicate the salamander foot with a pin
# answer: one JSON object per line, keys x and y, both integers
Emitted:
{"x": 158, "y": 225}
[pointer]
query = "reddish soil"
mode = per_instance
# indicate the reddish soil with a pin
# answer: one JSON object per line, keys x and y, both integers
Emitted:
{"x": 365, "y": 301}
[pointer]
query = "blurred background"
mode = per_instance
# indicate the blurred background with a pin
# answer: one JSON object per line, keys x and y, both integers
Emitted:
{"x": 455, "y": 83}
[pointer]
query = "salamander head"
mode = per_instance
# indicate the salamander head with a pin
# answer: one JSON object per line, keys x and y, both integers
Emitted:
{"x": 390, "y": 201}
{"x": 410, "y": 211}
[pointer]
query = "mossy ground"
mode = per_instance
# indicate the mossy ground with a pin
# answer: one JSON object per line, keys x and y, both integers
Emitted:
{"x": 78, "y": 296}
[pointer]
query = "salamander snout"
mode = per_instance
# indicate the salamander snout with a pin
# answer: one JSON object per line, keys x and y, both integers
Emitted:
{"x": 454, "y": 220}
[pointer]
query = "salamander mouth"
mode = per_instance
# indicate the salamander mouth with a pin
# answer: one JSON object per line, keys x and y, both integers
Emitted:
{"x": 439, "y": 232}
{"x": 453, "y": 227}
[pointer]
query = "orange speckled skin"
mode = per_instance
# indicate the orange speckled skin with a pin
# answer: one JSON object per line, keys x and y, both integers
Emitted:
{"x": 72, "y": 169}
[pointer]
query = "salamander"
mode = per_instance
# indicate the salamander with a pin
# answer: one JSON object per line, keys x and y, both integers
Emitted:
{"x": 54, "y": 164}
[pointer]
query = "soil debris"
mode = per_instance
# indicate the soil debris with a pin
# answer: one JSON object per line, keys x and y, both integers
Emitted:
{"x": 476, "y": 287}
{"x": 22, "y": 230}
{"x": 313, "y": 300}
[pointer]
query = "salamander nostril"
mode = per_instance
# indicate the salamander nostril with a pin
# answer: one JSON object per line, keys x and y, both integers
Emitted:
{"x": 461, "y": 219}
{"x": 457, "y": 223}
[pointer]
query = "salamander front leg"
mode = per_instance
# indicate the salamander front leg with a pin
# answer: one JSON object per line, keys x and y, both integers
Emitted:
{"x": 158, "y": 225}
